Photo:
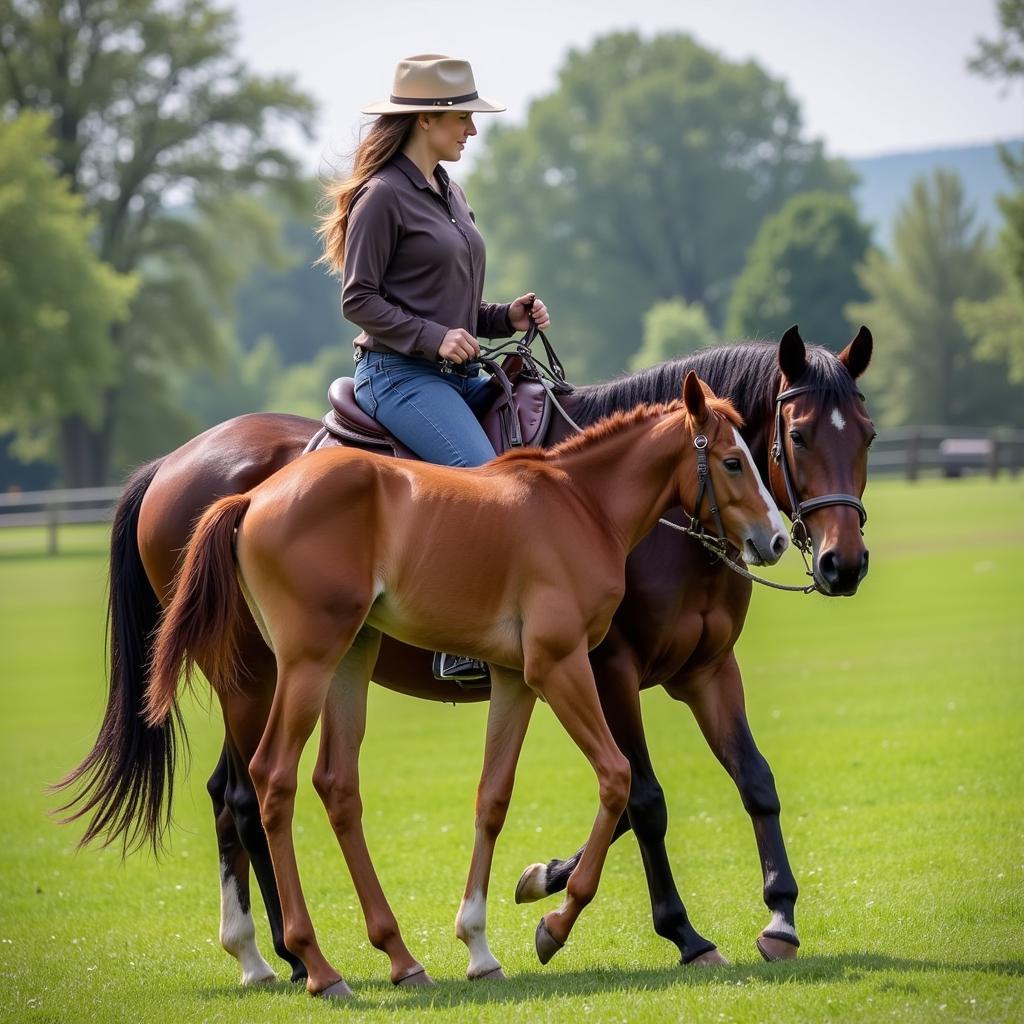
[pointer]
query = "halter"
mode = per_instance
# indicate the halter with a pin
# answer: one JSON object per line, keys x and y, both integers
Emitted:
{"x": 799, "y": 532}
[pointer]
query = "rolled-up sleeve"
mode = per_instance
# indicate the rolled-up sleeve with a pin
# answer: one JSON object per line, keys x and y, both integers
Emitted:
{"x": 374, "y": 228}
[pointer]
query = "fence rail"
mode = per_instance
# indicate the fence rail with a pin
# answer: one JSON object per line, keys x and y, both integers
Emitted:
{"x": 901, "y": 450}
{"x": 53, "y": 509}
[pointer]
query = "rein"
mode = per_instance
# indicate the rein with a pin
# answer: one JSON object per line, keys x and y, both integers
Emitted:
{"x": 553, "y": 378}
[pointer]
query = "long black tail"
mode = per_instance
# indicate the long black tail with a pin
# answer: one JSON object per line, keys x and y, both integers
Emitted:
{"x": 126, "y": 781}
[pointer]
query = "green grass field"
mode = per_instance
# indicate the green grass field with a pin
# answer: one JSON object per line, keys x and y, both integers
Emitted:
{"x": 893, "y": 723}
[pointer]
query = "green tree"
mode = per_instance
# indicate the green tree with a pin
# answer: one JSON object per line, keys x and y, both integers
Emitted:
{"x": 643, "y": 176}
{"x": 672, "y": 328}
{"x": 802, "y": 268}
{"x": 166, "y": 135}
{"x": 996, "y": 325}
{"x": 58, "y": 301}
{"x": 926, "y": 371}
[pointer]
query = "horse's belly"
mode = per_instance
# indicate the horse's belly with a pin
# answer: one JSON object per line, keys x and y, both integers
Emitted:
{"x": 492, "y": 638}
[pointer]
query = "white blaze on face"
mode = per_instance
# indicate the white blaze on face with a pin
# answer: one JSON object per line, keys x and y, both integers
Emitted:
{"x": 772, "y": 510}
{"x": 837, "y": 419}
{"x": 238, "y": 934}
{"x": 471, "y": 928}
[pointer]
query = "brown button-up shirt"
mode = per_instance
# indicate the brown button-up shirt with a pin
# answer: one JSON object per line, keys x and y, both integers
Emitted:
{"x": 414, "y": 264}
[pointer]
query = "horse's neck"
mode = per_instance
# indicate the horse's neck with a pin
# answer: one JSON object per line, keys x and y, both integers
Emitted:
{"x": 628, "y": 478}
{"x": 758, "y": 414}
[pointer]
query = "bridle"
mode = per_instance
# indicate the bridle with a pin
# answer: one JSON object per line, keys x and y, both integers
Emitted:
{"x": 555, "y": 382}
{"x": 799, "y": 533}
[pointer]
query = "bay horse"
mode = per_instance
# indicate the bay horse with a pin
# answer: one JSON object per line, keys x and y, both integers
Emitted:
{"x": 676, "y": 627}
{"x": 343, "y": 545}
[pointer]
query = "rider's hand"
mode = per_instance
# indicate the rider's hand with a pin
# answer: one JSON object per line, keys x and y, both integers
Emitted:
{"x": 527, "y": 306}
{"x": 458, "y": 346}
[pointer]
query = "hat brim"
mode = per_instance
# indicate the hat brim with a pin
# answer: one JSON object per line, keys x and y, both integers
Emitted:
{"x": 477, "y": 106}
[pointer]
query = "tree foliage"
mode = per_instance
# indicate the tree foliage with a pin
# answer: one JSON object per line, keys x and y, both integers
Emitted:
{"x": 997, "y": 325}
{"x": 166, "y": 135}
{"x": 802, "y": 267}
{"x": 926, "y": 371}
{"x": 643, "y": 176}
{"x": 672, "y": 328}
{"x": 57, "y": 299}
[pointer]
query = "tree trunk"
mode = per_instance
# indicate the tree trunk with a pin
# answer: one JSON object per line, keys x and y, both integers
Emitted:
{"x": 84, "y": 452}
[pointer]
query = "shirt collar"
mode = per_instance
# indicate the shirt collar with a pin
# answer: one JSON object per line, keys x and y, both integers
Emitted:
{"x": 415, "y": 175}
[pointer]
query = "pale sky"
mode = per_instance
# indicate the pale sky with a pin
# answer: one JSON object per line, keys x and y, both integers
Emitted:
{"x": 871, "y": 77}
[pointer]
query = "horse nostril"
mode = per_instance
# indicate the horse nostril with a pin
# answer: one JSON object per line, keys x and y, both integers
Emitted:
{"x": 863, "y": 567}
{"x": 828, "y": 566}
{"x": 778, "y": 544}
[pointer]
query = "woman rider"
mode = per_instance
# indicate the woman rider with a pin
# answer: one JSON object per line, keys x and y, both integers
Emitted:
{"x": 403, "y": 238}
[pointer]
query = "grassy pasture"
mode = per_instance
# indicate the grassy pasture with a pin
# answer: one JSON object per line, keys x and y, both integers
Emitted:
{"x": 893, "y": 723}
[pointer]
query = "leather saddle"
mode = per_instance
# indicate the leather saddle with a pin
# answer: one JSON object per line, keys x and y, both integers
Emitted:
{"x": 518, "y": 416}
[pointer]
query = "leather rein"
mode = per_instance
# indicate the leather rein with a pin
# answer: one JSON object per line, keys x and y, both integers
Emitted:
{"x": 553, "y": 377}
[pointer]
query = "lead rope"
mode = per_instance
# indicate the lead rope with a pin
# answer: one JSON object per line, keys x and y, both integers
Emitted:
{"x": 712, "y": 544}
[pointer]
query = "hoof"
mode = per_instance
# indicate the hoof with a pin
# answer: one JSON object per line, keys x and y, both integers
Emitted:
{"x": 773, "y": 949}
{"x": 712, "y": 958}
{"x": 547, "y": 945}
{"x": 263, "y": 978}
{"x": 416, "y": 977}
{"x": 298, "y": 974}
{"x": 494, "y": 974}
{"x": 339, "y": 990}
{"x": 532, "y": 884}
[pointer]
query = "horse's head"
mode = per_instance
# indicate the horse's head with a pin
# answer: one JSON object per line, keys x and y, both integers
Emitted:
{"x": 726, "y": 492}
{"x": 818, "y": 468}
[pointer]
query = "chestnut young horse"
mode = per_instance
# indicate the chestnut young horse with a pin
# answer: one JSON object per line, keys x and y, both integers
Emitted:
{"x": 343, "y": 545}
{"x": 676, "y": 628}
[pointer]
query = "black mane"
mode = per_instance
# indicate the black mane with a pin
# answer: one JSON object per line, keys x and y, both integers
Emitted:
{"x": 747, "y": 373}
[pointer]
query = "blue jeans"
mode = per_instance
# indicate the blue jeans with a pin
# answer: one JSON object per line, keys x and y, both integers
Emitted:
{"x": 432, "y": 413}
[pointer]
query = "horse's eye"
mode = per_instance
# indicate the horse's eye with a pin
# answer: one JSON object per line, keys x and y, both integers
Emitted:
{"x": 798, "y": 441}
{"x": 733, "y": 465}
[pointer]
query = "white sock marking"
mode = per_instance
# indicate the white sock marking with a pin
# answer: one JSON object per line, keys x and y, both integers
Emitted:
{"x": 238, "y": 934}
{"x": 781, "y": 925}
{"x": 471, "y": 928}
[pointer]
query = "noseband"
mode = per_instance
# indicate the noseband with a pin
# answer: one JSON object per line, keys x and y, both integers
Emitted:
{"x": 799, "y": 532}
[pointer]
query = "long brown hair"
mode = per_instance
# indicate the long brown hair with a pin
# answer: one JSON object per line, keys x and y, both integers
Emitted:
{"x": 386, "y": 136}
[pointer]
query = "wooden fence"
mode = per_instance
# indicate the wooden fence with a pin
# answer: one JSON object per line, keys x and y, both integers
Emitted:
{"x": 51, "y": 509}
{"x": 907, "y": 451}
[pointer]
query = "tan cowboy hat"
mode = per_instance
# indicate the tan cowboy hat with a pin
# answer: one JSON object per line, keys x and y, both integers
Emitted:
{"x": 432, "y": 82}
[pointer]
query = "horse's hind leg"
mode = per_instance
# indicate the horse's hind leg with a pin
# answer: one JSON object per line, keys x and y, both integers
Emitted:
{"x": 717, "y": 704}
{"x": 237, "y": 932}
{"x": 336, "y": 779}
{"x": 507, "y": 720}
{"x": 305, "y": 671}
{"x": 242, "y": 841}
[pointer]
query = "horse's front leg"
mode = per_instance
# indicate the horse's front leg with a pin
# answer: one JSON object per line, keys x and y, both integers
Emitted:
{"x": 508, "y": 716}
{"x": 648, "y": 814}
{"x": 566, "y": 682}
{"x": 716, "y": 699}
{"x": 336, "y": 778}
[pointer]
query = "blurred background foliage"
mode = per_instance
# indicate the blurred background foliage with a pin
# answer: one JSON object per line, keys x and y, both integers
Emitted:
{"x": 156, "y": 242}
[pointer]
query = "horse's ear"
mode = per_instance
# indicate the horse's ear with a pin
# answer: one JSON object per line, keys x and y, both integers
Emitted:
{"x": 694, "y": 398}
{"x": 856, "y": 356}
{"x": 792, "y": 354}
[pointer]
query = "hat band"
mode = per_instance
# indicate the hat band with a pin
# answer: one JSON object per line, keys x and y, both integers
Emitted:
{"x": 435, "y": 102}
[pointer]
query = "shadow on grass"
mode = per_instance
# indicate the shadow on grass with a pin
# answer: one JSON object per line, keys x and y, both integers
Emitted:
{"x": 843, "y": 967}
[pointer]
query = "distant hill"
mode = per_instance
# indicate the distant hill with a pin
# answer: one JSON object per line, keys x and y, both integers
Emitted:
{"x": 886, "y": 180}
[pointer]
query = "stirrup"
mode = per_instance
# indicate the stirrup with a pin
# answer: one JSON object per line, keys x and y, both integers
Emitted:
{"x": 454, "y": 668}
